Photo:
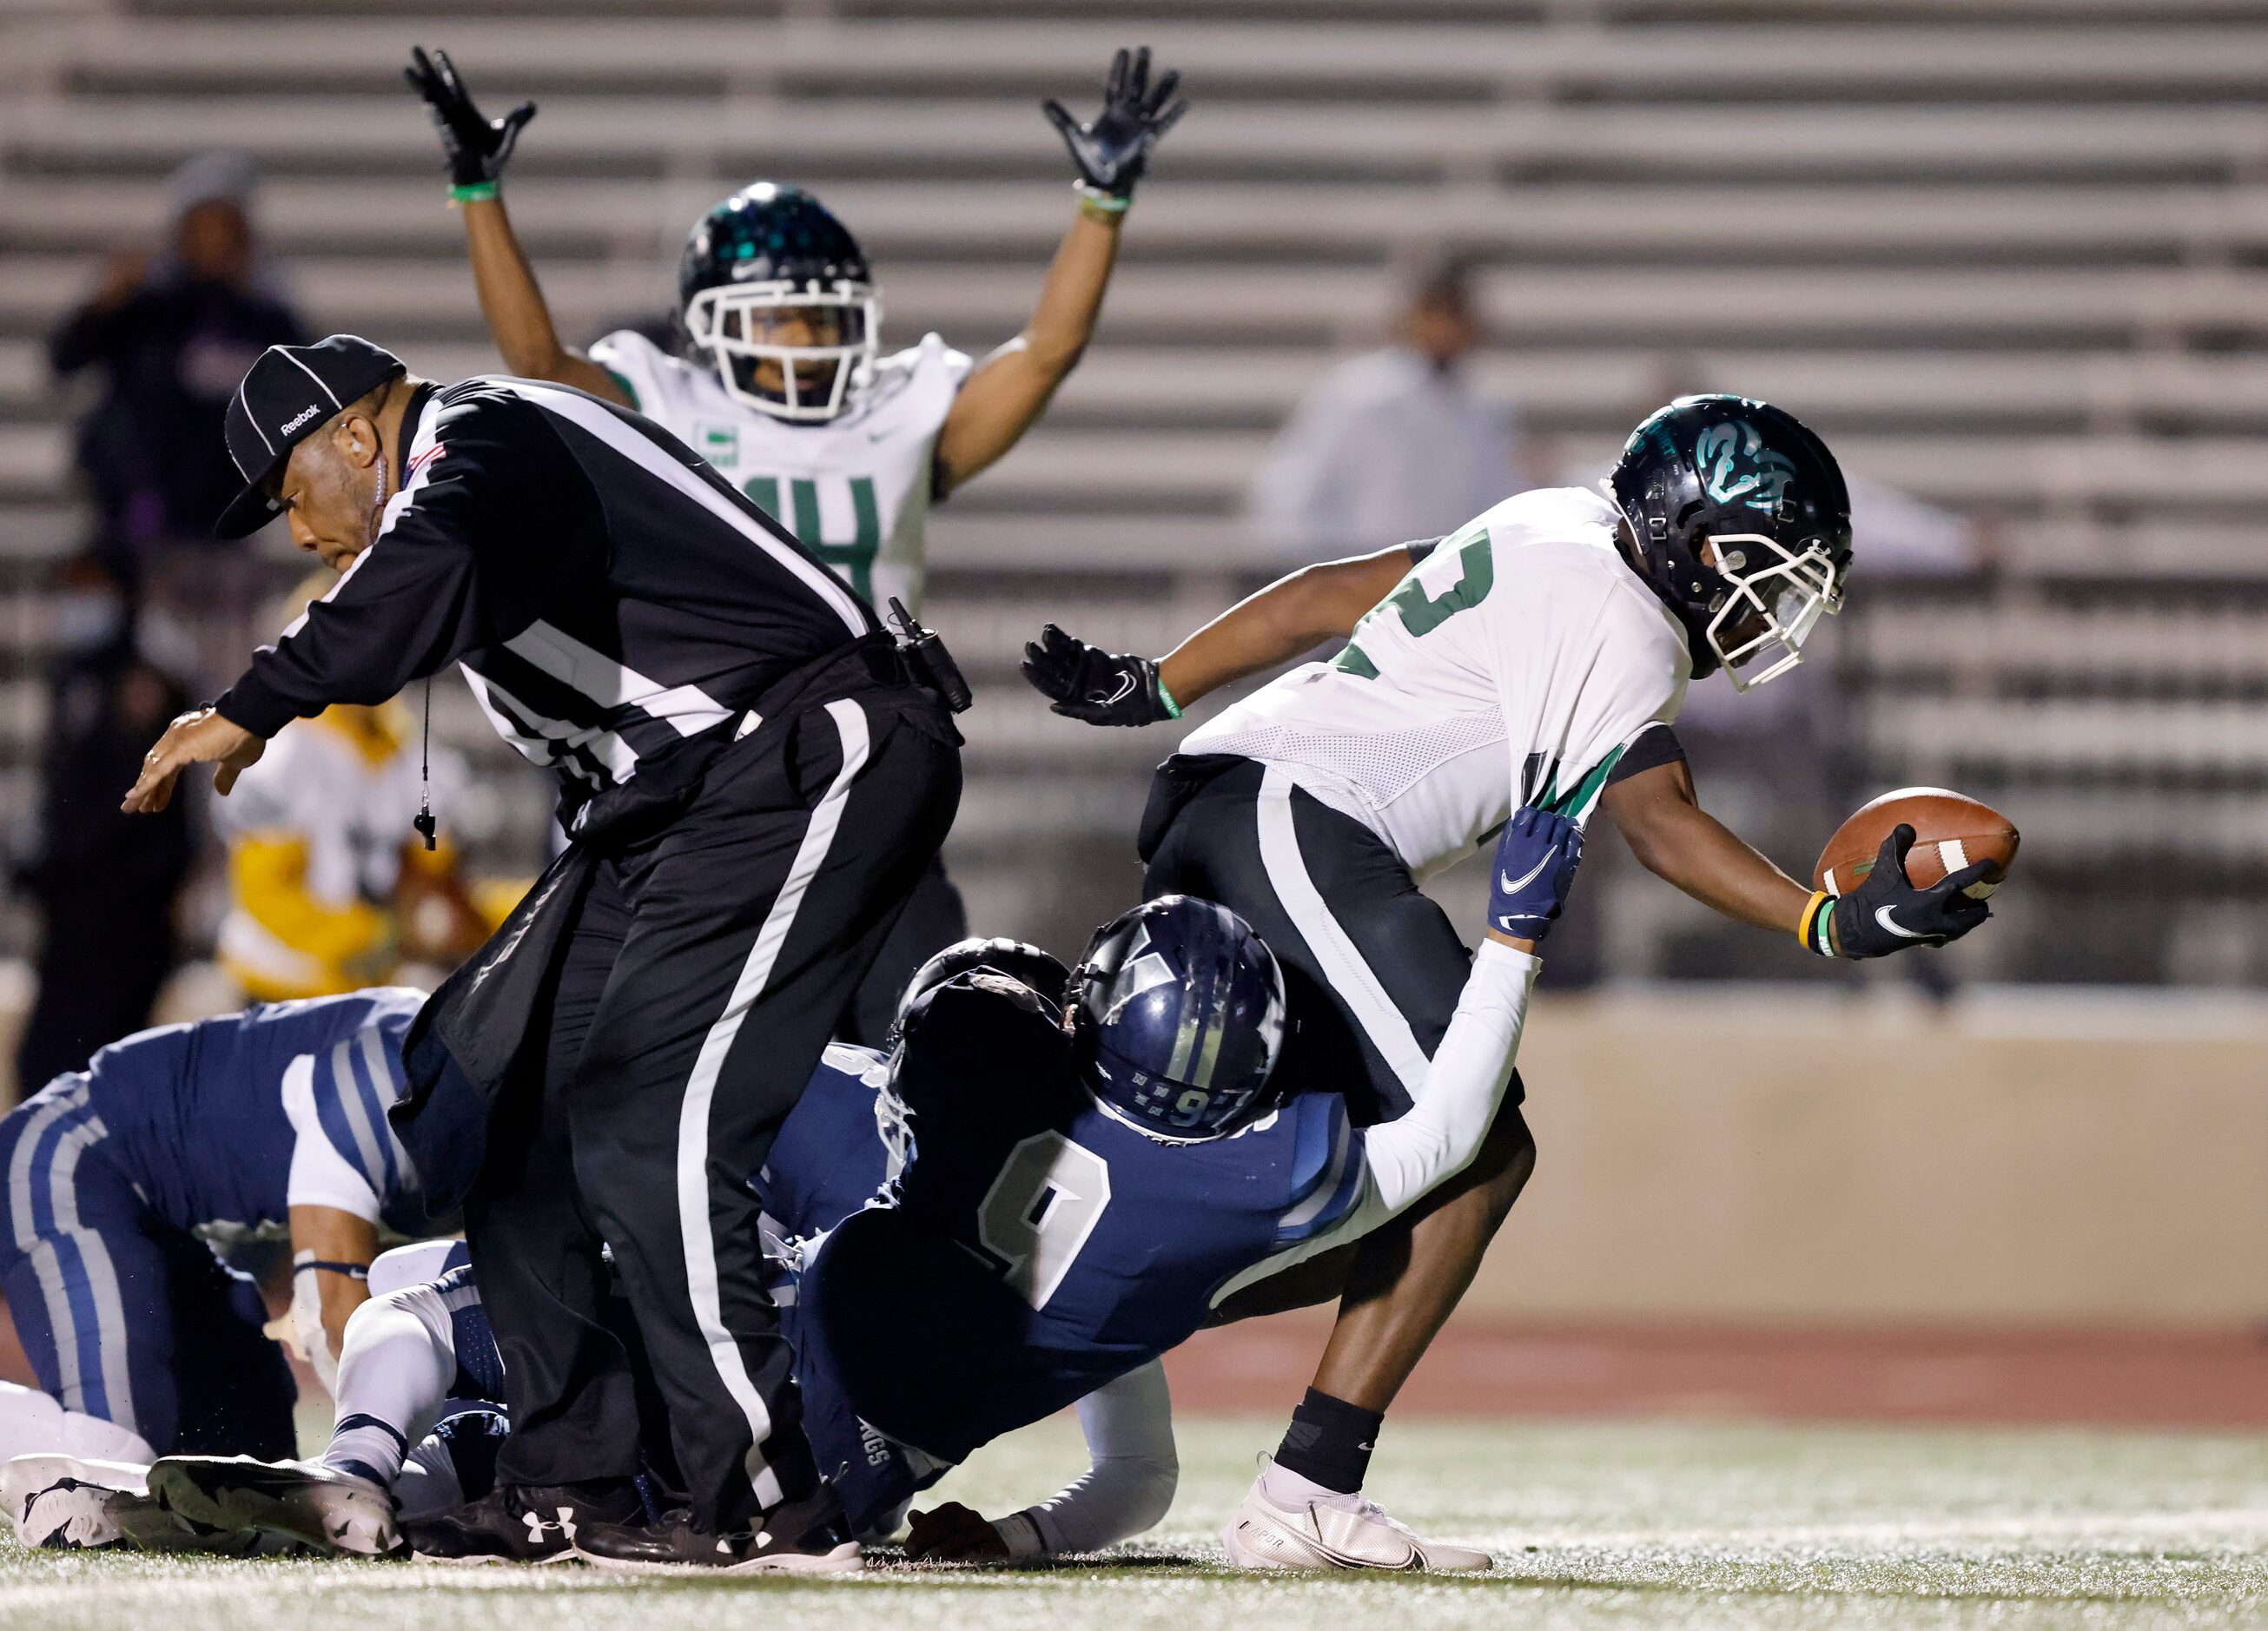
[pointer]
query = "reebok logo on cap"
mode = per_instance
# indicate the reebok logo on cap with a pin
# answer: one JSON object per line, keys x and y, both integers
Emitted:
{"x": 343, "y": 370}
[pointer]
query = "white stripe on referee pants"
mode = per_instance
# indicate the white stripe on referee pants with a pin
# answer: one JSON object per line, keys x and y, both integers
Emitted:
{"x": 1342, "y": 963}
{"x": 693, "y": 1218}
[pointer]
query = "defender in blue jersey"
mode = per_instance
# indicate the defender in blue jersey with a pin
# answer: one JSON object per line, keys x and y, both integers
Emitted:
{"x": 120, "y": 1181}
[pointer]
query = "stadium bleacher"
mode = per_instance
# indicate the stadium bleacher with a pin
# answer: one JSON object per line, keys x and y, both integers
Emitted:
{"x": 2010, "y": 255}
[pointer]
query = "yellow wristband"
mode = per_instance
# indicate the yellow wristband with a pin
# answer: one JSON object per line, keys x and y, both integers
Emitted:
{"x": 1807, "y": 925}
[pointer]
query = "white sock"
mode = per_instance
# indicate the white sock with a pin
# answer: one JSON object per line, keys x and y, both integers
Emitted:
{"x": 394, "y": 1377}
{"x": 1293, "y": 1490}
{"x": 32, "y": 1423}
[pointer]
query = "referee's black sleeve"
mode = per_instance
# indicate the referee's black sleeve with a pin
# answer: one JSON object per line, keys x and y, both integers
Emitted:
{"x": 491, "y": 490}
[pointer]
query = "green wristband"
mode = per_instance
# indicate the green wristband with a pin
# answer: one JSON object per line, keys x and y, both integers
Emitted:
{"x": 1095, "y": 198}
{"x": 1173, "y": 709}
{"x": 475, "y": 193}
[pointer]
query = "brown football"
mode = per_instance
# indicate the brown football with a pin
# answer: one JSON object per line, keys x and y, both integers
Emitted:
{"x": 1950, "y": 832}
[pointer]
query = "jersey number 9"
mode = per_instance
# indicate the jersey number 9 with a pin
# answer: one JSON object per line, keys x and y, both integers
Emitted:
{"x": 1041, "y": 1210}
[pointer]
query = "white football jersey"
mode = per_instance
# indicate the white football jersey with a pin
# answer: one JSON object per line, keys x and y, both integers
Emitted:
{"x": 854, "y": 490}
{"x": 1512, "y": 665}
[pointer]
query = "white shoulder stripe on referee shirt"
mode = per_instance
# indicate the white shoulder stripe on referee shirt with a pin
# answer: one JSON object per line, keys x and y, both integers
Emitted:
{"x": 600, "y": 421}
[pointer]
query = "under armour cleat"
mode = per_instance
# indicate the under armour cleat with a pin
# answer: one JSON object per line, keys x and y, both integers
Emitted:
{"x": 302, "y": 1503}
{"x": 806, "y": 1537}
{"x": 525, "y": 1522}
{"x": 1288, "y": 1522}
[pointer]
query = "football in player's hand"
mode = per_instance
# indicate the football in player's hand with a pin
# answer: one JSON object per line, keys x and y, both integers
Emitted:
{"x": 1950, "y": 832}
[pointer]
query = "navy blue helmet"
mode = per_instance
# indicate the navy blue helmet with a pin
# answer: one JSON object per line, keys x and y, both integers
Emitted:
{"x": 1042, "y": 970}
{"x": 1177, "y": 1018}
{"x": 775, "y": 293}
{"x": 1744, "y": 529}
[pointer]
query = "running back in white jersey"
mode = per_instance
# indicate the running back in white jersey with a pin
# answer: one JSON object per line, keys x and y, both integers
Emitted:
{"x": 854, "y": 490}
{"x": 1512, "y": 665}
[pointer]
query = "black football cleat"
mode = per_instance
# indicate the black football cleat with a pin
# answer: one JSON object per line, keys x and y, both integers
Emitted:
{"x": 798, "y": 1538}
{"x": 525, "y": 1522}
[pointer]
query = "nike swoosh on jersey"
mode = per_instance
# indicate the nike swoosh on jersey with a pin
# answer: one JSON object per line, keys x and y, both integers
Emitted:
{"x": 1533, "y": 873}
{"x": 1883, "y": 917}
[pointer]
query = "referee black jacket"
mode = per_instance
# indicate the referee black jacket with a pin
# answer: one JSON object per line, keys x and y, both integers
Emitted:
{"x": 608, "y": 595}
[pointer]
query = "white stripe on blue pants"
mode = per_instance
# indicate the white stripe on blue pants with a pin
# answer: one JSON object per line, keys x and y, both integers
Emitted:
{"x": 72, "y": 1225}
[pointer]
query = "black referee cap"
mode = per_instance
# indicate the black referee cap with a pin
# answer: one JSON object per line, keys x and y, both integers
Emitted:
{"x": 284, "y": 398}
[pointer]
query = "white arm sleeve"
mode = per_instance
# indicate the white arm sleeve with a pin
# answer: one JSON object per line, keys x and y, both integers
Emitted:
{"x": 1462, "y": 1090}
{"x": 1129, "y": 1437}
{"x": 320, "y": 1176}
{"x": 1455, "y": 1105}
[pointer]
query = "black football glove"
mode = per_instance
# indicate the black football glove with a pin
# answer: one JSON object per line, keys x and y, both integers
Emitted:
{"x": 1111, "y": 151}
{"x": 1082, "y": 682}
{"x": 478, "y": 147}
{"x": 1886, "y": 913}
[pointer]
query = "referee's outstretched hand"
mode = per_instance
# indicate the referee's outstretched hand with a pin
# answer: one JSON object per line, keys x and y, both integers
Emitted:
{"x": 201, "y": 736}
{"x": 478, "y": 147}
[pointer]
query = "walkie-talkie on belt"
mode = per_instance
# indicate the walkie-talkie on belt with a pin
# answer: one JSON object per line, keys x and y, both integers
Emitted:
{"x": 932, "y": 664}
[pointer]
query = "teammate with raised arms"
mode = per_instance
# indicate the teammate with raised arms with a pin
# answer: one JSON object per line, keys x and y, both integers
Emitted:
{"x": 778, "y": 378}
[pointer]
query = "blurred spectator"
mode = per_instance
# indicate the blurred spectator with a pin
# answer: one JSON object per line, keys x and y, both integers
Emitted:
{"x": 103, "y": 883}
{"x": 329, "y": 888}
{"x": 1394, "y": 445}
{"x": 172, "y": 340}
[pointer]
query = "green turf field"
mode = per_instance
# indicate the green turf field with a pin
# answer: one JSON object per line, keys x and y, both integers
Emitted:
{"x": 1609, "y": 1525}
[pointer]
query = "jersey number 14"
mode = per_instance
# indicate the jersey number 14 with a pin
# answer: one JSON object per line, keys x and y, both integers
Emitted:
{"x": 854, "y": 561}
{"x": 1041, "y": 1210}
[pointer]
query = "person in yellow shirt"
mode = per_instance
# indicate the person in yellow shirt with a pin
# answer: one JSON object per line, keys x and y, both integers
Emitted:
{"x": 329, "y": 888}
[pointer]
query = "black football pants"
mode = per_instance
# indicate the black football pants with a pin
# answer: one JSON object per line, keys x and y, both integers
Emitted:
{"x": 705, "y": 973}
{"x": 1372, "y": 968}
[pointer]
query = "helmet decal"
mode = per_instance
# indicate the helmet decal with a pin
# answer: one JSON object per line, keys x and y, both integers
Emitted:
{"x": 1740, "y": 522}
{"x": 1734, "y": 463}
{"x": 1177, "y": 1019}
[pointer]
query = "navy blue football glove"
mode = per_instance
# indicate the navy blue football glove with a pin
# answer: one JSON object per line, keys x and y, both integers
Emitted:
{"x": 477, "y": 148}
{"x": 1886, "y": 913}
{"x": 1112, "y": 151}
{"x": 1536, "y": 863}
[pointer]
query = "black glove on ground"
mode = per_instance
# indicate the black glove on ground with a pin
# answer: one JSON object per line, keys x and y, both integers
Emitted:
{"x": 1084, "y": 683}
{"x": 1886, "y": 913}
{"x": 478, "y": 147}
{"x": 1111, "y": 152}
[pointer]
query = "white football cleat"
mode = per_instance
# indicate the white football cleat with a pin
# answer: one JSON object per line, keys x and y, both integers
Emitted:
{"x": 301, "y": 1501}
{"x": 1288, "y": 1522}
{"x": 72, "y": 1503}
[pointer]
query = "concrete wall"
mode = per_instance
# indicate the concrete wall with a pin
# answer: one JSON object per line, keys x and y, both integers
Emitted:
{"x": 2013, "y": 1158}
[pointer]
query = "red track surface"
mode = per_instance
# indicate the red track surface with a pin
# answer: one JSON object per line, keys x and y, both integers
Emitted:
{"x": 2109, "y": 1378}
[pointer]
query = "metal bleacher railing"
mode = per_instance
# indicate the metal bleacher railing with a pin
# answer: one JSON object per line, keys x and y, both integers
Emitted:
{"x": 2012, "y": 255}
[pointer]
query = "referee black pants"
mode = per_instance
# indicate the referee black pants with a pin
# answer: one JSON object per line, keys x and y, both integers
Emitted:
{"x": 707, "y": 967}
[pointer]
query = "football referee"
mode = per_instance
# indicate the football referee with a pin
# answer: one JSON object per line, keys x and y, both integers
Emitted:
{"x": 753, "y": 777}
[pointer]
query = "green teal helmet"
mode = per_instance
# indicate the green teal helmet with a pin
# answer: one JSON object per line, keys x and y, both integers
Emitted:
{"x": 1742, "y": 526}
{"x": 775, "y": 293}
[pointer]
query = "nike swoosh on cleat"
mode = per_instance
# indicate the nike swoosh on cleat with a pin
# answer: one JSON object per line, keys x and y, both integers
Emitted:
{"x": 1883, "y": 917}
{"x": 1533, "y": 873}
